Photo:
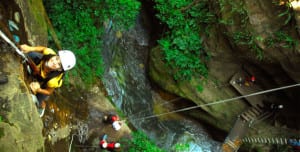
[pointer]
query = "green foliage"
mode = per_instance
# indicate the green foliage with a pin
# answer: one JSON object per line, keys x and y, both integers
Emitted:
{"x": 141, "y": 142}
{"x": 122, "y": 12}
{"x": 288, "y": 13}
{"x": 77, "y": 31}
{"x": 236, "y": 14}
{"x": 0, "y": 118}
{"x": 181, "y": 147}
{"x": 245, "y": 38}
{"x": 200, "y": 88}
{"x": 182, "y": 45}
{"x": 234, "y": 11}
{"x": 281, "y": 39}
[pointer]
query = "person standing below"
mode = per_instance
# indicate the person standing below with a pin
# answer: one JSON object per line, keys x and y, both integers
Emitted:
{"x": 249, "y": 81}
{"x": 246, "y": 81}
{"x": 110, "y": 146}
{"x": 295, "y": 144}
{"x": 114, "y": 120}
{"x": 48, "y": 71}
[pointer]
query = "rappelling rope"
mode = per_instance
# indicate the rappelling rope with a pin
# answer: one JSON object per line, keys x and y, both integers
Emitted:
{"x": 161, "y": 104}
{"x": 70, "y": 146}
{"x": 219, "y": 102}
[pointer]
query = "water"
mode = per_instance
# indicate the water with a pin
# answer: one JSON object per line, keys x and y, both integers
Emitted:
{"x": 128, "y": 86}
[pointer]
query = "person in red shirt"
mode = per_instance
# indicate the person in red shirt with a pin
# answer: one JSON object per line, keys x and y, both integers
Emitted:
{"x": 110, "y": 146}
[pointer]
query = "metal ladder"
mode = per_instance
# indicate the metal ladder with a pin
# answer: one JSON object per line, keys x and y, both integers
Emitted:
{"x": 269, "y": 140}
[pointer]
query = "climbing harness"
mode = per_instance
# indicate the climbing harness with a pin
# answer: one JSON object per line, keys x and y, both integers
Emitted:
{"x": 220, "y": 101}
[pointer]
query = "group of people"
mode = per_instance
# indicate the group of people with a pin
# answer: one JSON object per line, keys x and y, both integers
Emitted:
{"x": 110, "y": 146}
{"x": 48, "y": 72}
{"x": 116, "y": 125}
{"x": 247, "y": 81}
{"x": 48, "y": 69}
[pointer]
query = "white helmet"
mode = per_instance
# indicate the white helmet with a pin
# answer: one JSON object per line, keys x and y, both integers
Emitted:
{"x": 104, "y": 145}
{"x": 67, "y": 59}
{"x": 116, "y": 125}
{"x": 117, "y": 145}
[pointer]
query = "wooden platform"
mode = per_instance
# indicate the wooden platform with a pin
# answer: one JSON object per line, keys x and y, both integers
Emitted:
{"x": 246, "y": 88}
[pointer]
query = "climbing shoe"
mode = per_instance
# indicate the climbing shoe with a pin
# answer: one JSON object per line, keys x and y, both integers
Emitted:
{"x": 42, "y": 108}
{"x": 41, "y": 112}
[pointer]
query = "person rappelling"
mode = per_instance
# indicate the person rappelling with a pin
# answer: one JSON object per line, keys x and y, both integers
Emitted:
{"x": 49, "y": 71}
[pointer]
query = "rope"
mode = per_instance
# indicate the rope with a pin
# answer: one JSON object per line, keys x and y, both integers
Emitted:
{"x": 4, "y": 37}
{"x": 161, "y": 104}
{"x": 219, "y": 102}
{"x": 71, "y": 142}
{"x": 83, "y": 146}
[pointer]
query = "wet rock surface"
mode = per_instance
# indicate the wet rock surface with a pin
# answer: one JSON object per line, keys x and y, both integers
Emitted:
{"x": 20, "y": 125}
{"x": 69, "y": 109}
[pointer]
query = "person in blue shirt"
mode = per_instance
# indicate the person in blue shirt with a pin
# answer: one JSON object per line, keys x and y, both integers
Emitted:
{"x": 294, "y": 143}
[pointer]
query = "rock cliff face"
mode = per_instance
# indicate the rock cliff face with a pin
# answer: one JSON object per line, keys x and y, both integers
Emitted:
{"x": 21, "y": 128}
{"x": 271, "y": 57}
{"x": 265, "y": 23}
{"x": 20, "y": 125}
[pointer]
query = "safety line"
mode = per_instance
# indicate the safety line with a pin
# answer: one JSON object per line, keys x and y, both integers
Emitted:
{"x": 85, "y": 146}
{"x": 4, "y": 37}
{"x": 161, "y": 104}
{"x": 218, "y": 102}
{"x": 70, "y": 146}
